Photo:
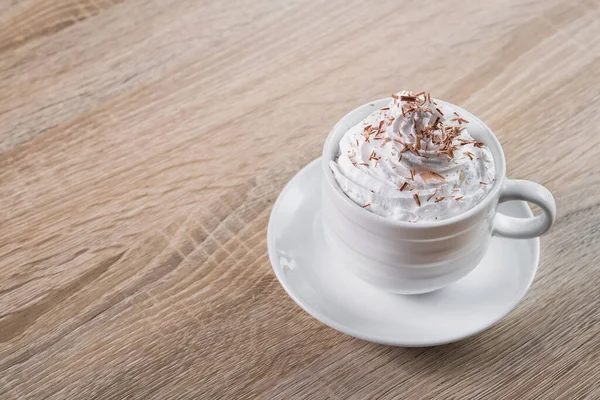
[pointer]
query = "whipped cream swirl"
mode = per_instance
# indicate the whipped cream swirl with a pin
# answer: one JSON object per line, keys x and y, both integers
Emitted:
{"x": 414, "y": 160}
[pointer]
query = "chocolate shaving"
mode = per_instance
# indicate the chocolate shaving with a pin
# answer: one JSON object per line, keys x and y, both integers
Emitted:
{"x": 366, "y": 205}
{"x": 404, "y": 185}
{"x": 438, "y": 199}
{"x": 438, "y": 175}
{"x": 408, "y": 147}
{"x": 458, "y": 198}
{"x": 412, "y": 174}
{"x": 433, "y": 194}
{"x": 430, "y": 175}
{"x": 460, "y": 120}
{"x": 416, "y": 197}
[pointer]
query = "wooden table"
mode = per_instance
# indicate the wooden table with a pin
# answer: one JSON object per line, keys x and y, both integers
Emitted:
{"x": 144, "y": 142}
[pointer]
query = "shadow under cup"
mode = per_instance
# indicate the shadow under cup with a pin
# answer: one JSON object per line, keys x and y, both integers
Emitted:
{"x": 404, "y": 257}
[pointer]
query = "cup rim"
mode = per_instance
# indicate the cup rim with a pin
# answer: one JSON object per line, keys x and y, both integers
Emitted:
{"x": 500, "y": 165}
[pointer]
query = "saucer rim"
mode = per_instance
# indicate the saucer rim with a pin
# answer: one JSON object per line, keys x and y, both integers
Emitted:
{"x": 363, "y": 335}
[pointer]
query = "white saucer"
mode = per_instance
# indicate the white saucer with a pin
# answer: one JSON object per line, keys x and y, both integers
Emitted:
{"x": 315, "y": 279}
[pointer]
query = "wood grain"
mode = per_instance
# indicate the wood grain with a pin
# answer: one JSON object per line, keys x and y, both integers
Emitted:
{"x": 144, "y": 142}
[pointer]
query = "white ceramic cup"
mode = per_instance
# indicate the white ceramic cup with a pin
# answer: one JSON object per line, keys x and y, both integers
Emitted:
{"x": 411, "y": 258}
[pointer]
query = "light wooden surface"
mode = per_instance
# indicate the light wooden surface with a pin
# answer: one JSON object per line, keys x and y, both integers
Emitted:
{"x": 144, "y": 142}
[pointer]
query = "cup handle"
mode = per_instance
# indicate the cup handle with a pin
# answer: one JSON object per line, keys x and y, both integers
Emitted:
{"x": 524, "y": 228}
